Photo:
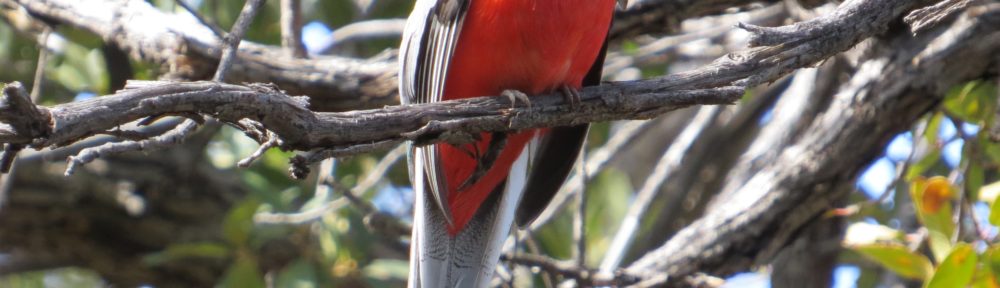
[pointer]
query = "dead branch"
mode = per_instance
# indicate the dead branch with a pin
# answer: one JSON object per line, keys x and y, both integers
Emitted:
{"x": 895, "y": 86}
{"x": 189, "y": 48}
{"x": 298, "y": 128}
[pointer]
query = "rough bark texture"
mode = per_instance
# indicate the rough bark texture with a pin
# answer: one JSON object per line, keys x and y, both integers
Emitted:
{"x": 898, "y": 82}
{"x": 190, "y": 50}
{"x": 773, "y": 190}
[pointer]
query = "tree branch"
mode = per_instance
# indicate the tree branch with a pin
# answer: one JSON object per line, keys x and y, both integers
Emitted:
{"x": 455, "y": 121}
{"x": 660, "y": 16}
{"x": 190, "y": 50}
{"x": 188, "y": 47}
{"x": 893, "y": 88}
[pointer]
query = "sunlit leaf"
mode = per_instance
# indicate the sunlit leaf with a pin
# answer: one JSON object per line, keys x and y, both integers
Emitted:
{"x": 995, "y": 213}
{"x": 937, "y": 193}
{"x": 971, "y": 102}
{"x": 862, "y": 233}
{"x": 932, "y": 200}
{"x": 898, "y": 259}
{"x": 989, "y": 192}
{"x": 957, "y": 269}
{"x": 933, "y": 125}
{"x": 984, "y": 278}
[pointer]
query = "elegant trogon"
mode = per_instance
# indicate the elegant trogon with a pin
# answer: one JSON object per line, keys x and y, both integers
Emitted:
{"x": 468, "y": 196}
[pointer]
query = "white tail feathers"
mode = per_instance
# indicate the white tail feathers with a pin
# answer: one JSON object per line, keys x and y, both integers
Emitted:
{"x": 469, "y": 258}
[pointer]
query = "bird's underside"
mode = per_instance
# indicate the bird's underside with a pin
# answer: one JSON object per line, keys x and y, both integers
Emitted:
{"x": 468, "y": 196}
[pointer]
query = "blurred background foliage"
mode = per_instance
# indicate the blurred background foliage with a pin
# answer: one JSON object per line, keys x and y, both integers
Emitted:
{"x": 937, "y": 184}
{"x": 342, "y": 252}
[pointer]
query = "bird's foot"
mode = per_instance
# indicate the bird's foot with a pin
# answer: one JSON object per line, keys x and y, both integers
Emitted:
{"x": 571, "y": 95}
{"x": 485, "y": 161}
{"x": 514, "y": 96}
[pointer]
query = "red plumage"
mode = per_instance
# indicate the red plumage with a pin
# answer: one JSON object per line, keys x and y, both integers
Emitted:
{"x": 527, "y": 45}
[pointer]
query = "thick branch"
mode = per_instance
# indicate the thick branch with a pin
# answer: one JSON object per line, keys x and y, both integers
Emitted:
{"x": 893, "y": 89}
{"x": 299, "y": 128}
{"x": 191, "y": 50}
{"x": 360, "y": 131}
{"x": 21, "y": 115}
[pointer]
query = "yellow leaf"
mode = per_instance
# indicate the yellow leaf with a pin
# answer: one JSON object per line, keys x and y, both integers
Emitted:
{"x": 937, "y": 192}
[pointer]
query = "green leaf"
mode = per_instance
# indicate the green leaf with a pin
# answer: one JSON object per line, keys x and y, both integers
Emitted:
{"x": 898, "y": 259}
{"x": 931, "y": 132}
{"x": 991, "y": 258}
{"x": 243, "y": 274}
{"x": 188, "y": 250}
{"x": 957, "y": 269}
{"x": 984, "y": 278}
{"x": 923, "y": 165}
{"x": 299, "y": 274}
{"x": 995, "y": 213}
{"x": 971, "y": 102}
{"x": 990, "y": 149}
{"x": 989, "y": 264}
{"x": 974, "y": 179}
{"x": 239, "y": 223}
{"x": 932, "y": 201}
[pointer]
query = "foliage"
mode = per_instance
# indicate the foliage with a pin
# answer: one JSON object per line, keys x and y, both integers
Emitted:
{"x": 937, "y": 233}
{"x": 953, "y": 243}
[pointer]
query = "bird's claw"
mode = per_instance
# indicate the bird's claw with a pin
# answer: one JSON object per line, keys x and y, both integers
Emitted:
{"x": 514, "y": 96}
{"x": 571, "y": 95}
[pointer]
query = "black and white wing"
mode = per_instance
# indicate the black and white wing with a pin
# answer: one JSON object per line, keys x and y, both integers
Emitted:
{"x": 428, "y": 44}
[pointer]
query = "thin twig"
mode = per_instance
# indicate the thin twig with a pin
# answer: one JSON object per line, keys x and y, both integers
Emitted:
{"x": 232, "y": 40}
{"x": 595, "y": 163}
{"x": 43, "y": 60}
{"x": 291, "y": 28}
{"x": 580, "y": 217}
{"x": 566, "y": 269}
{"x": 300, "y": 163}
{"x": 168, "y": 139}
{"x": 271, "y": 143}
{"x": 531, "y": 245}
{"x": 362, "y": 30}
{"x": 194, "y": 12}
{"x": 360, "y": 190}
{"x": 667, "y": 164}
{"x": 8, "y": 161}
{"x": 177, "y": 135}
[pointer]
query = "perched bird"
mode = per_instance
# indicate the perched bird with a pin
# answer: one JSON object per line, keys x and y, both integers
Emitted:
{"x": 468, "y": 196}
